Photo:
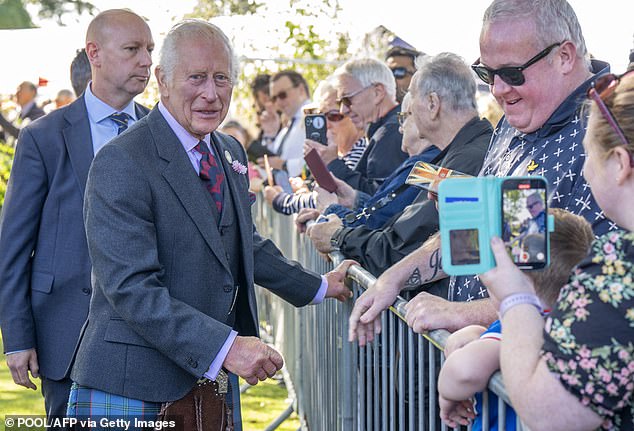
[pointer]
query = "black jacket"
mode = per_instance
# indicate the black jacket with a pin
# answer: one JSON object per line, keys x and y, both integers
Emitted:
{"x": 381, "y": 157}
{"x": 377, "y": 250}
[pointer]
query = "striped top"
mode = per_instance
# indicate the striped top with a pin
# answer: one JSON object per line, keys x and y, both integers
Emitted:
{"x": 351, "y": 159}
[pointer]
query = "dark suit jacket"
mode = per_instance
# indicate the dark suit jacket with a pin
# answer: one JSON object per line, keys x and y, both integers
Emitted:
{"x": 44, "y": 264}
{"x": 163, "y": 286}
{"x": 381, "y": 158}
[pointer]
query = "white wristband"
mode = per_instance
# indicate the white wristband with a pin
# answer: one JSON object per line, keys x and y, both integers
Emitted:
{"x": 519, "y": 299}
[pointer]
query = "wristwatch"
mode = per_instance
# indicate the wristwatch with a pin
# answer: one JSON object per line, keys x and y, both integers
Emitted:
{"x": 335, "y": 242}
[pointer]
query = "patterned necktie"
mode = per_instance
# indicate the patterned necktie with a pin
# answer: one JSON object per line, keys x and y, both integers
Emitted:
{"x": 121, "y": 120}
{"x": 211, "y": 173}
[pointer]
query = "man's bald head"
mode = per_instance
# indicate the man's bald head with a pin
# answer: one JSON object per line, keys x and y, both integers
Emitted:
{"x": 104, "y": 22}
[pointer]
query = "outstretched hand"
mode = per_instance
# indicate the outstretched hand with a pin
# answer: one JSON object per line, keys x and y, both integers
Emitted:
{"x": 336, "y": 286}
{"x": 365, "y": 318}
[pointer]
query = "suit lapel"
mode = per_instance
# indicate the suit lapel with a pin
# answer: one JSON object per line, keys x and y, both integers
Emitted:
{"x": 78, "y": 140}
{"x": 237, "y": 188}
{"x": 181, "y": 177}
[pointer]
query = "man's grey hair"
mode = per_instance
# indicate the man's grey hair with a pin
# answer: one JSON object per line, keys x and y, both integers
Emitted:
{"x": 555, "y": 21}
{"x": 448, "y": 76}
{"x": 192, "y": 29}
{"x": 369, "y": 71}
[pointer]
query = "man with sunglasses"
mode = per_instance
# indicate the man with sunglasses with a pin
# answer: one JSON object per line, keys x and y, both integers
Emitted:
{"x": 366, "y": 93}
{"x": 534, "y": 57}
{"x": 402, "y": 63}
{"x": 289, "y": 93}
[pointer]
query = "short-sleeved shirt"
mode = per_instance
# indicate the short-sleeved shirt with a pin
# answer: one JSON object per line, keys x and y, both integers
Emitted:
{"x": 589, "y": 336}
{"x": 553, "y": 151}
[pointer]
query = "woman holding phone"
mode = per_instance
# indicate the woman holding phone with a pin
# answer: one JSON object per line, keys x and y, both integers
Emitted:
{"x": 578, "y": 373}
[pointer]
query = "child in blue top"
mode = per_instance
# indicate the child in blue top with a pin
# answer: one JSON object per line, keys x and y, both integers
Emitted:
{"x": 473, "y": 353}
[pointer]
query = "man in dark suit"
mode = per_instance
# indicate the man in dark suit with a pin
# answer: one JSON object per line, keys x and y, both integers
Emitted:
{"x": 175, "y": 254}
{"x": 44, "y": 262}
{"x": 29, "y": 111}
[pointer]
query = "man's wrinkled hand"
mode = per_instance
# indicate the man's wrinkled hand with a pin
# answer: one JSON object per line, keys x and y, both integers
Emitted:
{"x": 426, "y": 312}
{"x": 20, "y": 364}
{"x": 336, "y": 287}
{"x": 346, "y": 195}
{"x": 321, "y": 233}
{"x": 304, "y": 216}
{"x": 325, "y": 198}
{"x": 253, "y": 360}
{"x": 365, "y": 318}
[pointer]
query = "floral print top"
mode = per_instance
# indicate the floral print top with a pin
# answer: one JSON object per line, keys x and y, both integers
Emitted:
{"x": 589, "y": 336}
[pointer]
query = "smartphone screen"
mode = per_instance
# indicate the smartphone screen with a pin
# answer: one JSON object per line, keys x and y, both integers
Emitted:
{"x": 316, "y": 128}
{"x": 524, "y": 221}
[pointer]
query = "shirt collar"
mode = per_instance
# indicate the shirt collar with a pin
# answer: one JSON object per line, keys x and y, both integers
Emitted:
{"x": 186, "y": 139}
{"x": 99, "y": 110}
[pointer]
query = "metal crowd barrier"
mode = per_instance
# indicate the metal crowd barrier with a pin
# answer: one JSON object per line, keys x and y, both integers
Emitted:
{"x": 335, "y": 385}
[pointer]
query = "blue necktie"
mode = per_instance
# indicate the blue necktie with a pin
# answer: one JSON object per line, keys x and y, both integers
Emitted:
{"x": 121, "y": 120}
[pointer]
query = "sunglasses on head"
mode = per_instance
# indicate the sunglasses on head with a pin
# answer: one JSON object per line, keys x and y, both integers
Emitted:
{"x": 334, "y": 116}
{"x": 400, "y": 72}
{"x": 347, "y": 100}
{"x": 602, "y": 88}
{"x": 282, "y": 95}
{"x": 512, "y": 75}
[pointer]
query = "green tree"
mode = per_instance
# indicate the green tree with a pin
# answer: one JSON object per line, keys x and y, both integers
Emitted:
{"x": 314, "y": 52}
{"x": 13, "y": 13}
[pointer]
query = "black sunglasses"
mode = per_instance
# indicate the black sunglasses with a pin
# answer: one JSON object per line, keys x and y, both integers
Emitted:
{"x": 334, "y": 116}
{"x": 512, "y": 75}
{"x": 347, "y": 100}
{"x": 400, "y": 72}
{"x": 282, "y": 94}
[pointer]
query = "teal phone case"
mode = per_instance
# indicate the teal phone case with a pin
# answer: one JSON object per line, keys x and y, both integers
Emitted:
{"x": 468, "y": 205}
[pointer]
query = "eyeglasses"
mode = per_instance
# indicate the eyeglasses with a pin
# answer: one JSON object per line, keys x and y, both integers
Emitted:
{"x": 603, "y": 87}
{"x": 282, "y": 95}
{"x": 402, "y": 116}
{"x": 347, "y": 100}
{"x": 400, "y": 72}
{"x": 334, "y": 116}
{"x": 512, "y": 75}
{"x": 530, "y": 206}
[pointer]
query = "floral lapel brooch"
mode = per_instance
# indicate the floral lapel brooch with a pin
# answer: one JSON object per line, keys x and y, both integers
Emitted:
{"x": 235, "y": 164}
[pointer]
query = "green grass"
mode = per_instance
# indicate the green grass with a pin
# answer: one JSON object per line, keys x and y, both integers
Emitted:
{"x": 261, "y": 404}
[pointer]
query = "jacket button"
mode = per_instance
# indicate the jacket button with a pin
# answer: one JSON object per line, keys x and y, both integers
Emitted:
{"x": 195, "y": 364}
{"x": 86, "y": 291}
{"x": 227, "y": 288}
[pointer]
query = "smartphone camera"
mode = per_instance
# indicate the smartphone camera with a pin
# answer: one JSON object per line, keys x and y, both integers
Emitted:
{"x": 524, "y": 222}
{"x": 316, "y": 128}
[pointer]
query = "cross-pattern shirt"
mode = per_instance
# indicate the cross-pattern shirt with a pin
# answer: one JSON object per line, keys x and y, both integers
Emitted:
{"x": 553, "y": 151}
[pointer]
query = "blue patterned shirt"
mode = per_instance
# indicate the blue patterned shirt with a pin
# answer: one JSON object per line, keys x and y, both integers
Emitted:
{"x": 553, "y": 151}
